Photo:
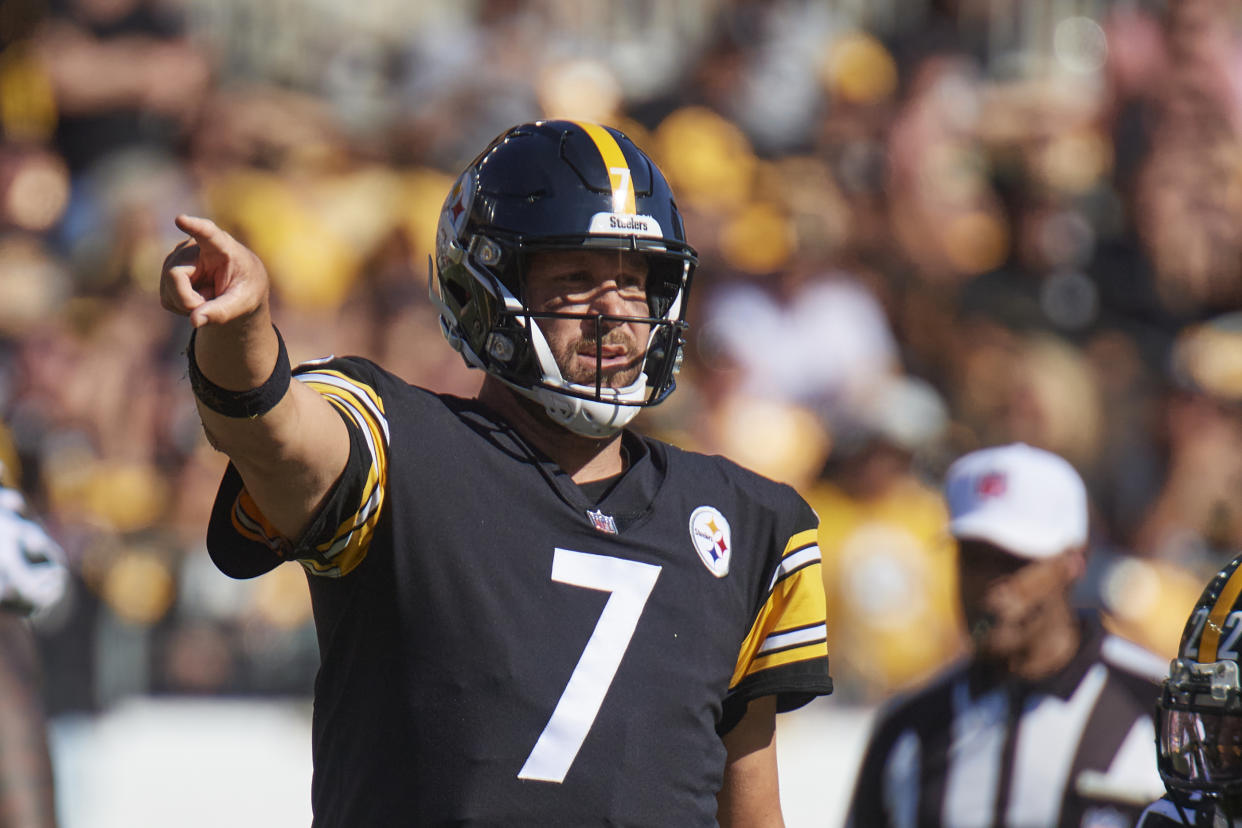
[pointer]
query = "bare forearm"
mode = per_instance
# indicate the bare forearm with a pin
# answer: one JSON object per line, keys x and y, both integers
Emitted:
{"x": 287, "y": 442}
{"x": 290, "y": 454}
{"x": 285, "y": 473}
{"x": 750, "y": 795}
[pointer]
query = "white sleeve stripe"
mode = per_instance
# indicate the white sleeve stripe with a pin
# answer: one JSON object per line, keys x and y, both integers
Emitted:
{"x": 355, "y": 390}
{"x": 803, "y": 557}
{"x": 255, "y": 527}
{"x": 808, "y": 635}
{"x": 250, "y": 523}
{"x": 360, "y": 421}
{"x": 348, "y": 399}
{"x": 333, "y": 572}
{"x": 375, "y": 492}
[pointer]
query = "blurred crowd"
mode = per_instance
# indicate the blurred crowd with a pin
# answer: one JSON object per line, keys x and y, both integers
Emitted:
{"x": 924, "y": 226}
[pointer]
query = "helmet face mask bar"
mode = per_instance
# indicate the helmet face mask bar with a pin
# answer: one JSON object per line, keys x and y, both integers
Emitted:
{"x": 1199, "y": 728}
{"x": 654, "y": 357}
{"x": 557, "y": 186}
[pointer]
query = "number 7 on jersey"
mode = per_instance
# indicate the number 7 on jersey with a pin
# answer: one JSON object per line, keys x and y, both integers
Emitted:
{"x": 629, "y": 584}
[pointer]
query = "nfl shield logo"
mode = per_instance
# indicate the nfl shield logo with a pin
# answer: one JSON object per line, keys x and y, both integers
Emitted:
{"x": 709, "y": 532}
{"x": 602, "y": 522}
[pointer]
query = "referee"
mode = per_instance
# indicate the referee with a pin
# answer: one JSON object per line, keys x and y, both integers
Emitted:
{"x": 1049, "y": 722}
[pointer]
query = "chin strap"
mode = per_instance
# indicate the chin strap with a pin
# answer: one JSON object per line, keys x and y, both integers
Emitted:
{"x": 590, "y": 418}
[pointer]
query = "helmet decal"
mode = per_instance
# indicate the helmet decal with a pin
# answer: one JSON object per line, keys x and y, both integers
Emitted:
{"x": 619, "y": 223}
{"x": 619, "y": 173}
{"x": 1218, "y": 602}
{"x": 457, "y": 206}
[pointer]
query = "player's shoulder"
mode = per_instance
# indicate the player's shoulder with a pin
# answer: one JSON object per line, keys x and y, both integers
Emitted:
{"x": 356, "y": 368}
{"x": 717, "y": 470}
{"x": 358, "y": 374}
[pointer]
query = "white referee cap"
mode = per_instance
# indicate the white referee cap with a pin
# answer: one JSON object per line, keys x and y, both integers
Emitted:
{"x": 1025, "y": 500}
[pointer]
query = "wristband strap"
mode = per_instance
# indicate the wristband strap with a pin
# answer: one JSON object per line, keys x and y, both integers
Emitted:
{"x": 251, "y": 403}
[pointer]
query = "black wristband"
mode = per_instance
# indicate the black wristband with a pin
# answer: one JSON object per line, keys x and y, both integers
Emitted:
{"x": 251, "y": 403}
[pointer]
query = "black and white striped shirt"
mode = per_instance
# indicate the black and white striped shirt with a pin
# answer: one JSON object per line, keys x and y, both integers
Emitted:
{"x": 1075, "y": 749}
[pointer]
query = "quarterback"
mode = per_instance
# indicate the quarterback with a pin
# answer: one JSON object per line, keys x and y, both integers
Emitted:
{"x": 527, "y": 613}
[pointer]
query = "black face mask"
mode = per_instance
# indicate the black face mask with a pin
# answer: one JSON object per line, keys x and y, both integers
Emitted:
{"x": 1199, "y": 733}
{"x": 1202, "y": 746}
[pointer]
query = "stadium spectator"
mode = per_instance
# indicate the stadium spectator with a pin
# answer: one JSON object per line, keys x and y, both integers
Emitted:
{"x": 890, "y": 571}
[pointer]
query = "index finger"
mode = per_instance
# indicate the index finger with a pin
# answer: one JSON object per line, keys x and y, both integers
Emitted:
{"x": 204, "y": 231}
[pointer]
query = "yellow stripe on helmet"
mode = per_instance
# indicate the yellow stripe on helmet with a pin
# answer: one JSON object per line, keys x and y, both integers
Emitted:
{"x": 618, "y": 168}
{"x": 1216, "y": 619}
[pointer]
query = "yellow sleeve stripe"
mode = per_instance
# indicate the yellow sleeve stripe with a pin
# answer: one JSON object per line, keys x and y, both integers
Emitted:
{"x": 351, "y": 539}
{"x": 360, "y": 395}
{"x": 320, "y": 570}
{"x": 344, "y": 381}
{"x": 619, "y": 175}
{"x": 790, "y": 627}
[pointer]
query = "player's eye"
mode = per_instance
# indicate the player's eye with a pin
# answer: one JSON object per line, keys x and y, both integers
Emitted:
{"x": 573, "y": 278}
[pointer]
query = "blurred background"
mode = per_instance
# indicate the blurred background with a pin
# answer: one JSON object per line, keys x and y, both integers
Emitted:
{"x": 924, "y": 226}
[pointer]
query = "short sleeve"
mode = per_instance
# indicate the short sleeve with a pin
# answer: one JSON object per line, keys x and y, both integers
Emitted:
{"x": 786, "y": 651}
{"x": 244, "y": 544}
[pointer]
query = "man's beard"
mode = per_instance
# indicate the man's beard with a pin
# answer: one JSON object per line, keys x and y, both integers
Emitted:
{"x": 577, "y": 360}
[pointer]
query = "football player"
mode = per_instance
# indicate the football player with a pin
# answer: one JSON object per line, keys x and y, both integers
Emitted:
{"x": 528, "y": 614}
{"x": 1199, "y": 715}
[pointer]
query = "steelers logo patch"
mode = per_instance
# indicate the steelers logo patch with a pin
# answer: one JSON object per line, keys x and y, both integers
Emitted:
{"x": 709, "y": 532}
{"x": 457, "y": 205}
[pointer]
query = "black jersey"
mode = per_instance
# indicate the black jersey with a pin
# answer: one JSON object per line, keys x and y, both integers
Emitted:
{"x": 498, "y": 650}
{"x": 1075, "y": 749}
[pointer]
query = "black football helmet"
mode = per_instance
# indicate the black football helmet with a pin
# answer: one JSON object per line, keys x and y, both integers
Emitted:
{"x": 1199, "y": 713}
{"x": 559, "y": 185}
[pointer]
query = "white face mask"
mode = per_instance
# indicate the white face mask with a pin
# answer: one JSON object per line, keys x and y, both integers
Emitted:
{"x": 590, "y": 418}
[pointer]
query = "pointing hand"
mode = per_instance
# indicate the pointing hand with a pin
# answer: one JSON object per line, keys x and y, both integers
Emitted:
{"x": 211, "y": 277}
